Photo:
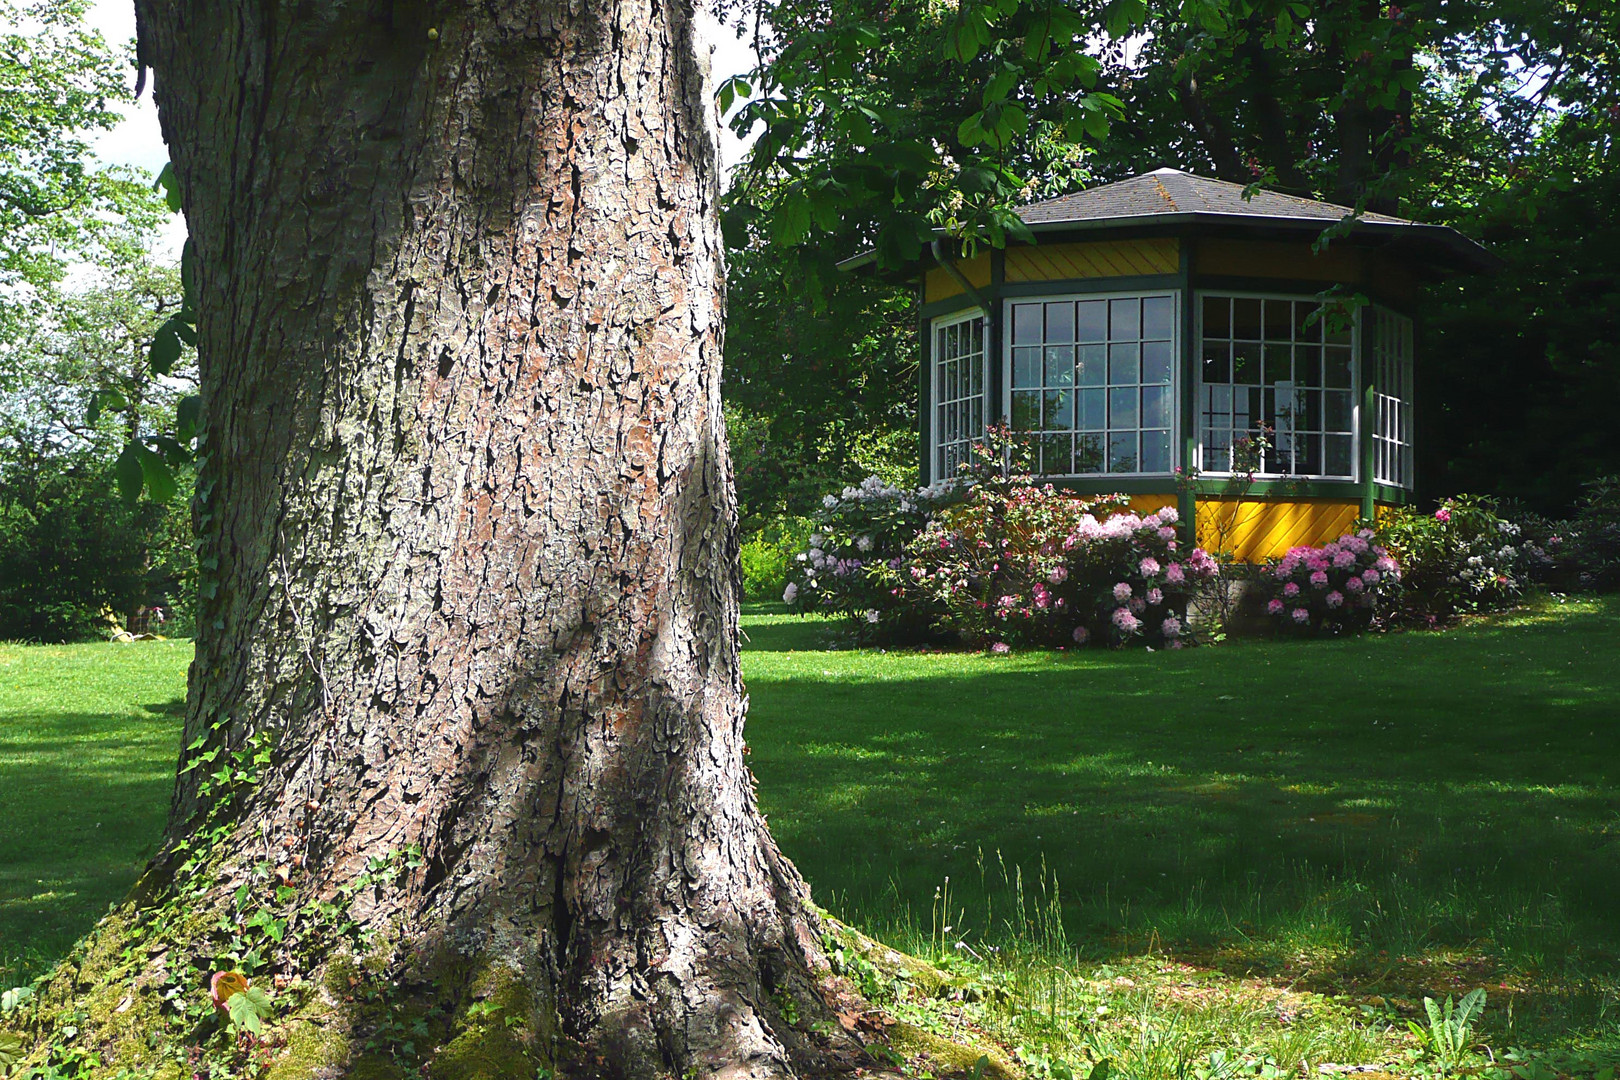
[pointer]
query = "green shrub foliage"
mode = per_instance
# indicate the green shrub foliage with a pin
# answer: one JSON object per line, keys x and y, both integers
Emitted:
{"x": 72, "y": 553}
{"x": 995, "y": 560}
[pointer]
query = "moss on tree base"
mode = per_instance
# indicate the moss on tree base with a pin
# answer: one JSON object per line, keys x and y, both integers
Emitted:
{"x": 131, "y": 1002}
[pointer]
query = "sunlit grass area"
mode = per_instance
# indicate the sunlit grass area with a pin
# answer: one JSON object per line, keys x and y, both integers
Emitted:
{"x": 1380, "y": 818}
{"x": 1265, "y": 848}
{"x": 89, "y": 737}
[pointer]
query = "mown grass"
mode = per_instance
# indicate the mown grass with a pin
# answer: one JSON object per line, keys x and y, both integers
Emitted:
{"x": 89, "y": 737}
{"x": 1274, "y": 848}
{"x": 1375, "y": 819}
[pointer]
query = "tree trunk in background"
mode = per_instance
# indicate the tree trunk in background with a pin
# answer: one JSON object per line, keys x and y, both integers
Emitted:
{"x": 466, "y": 508}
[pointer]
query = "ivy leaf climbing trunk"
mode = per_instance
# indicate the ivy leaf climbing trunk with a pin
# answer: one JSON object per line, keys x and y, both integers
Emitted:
{"x": 467, "y": 519}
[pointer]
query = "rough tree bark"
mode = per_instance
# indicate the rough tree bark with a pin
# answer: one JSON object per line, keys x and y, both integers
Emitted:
{"x": 466, "y": 507}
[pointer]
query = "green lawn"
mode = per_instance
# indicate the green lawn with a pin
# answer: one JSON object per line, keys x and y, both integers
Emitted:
{"x": 89, "y": 737}
{"x": 1373, "y": 819}
{"x": 1387, "y": 815}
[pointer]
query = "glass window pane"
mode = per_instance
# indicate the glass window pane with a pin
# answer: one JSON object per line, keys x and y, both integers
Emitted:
{"x": 1026, "y": 410}
{"x": 1217, "y": 317}
{"x": 1158, "y": 315}
{"x": 1217, "y": 362}
{"x": 1026, "y": 324}
{"x": 1246, "y": 363}
{"x": 1057, "y": 457}
{"x": 1155, "y": 407}
{"x": 1060, "y": 365}
{"x": 1337, "y": 410}
{"x": 1124, "y": 363}
{"x": 1088, "y": 453}
{"x": 1337, "y": 364}
{"x": 1060, "y": 322}
{"x": 1279, "y": 320}
{"x": 1279, "y": 363}
{"x": 1308, "y": 365}
{"x": 1124, "y": 319}
{"x": 953, "y": 384}
{"x": 1092, "y": 320}
{"x": 1308, "y": 410}
{"x": 1092, "y": 364}
{"x": 1156, "y": 362}
{"x": 1246, "y": 319}
{"x": 1308, "y": 454}
{"x": 1122, "y": 452}
{"x": 1307, "y": 327}
{"x": 1058, "y": 414}
{"x": 1122, "y": 408}
{"x": 1216, "y": 458}
{"x": 1156, "y": 451}
{"x": 1092, "y": 410}
{"x": 1336, "y": 455}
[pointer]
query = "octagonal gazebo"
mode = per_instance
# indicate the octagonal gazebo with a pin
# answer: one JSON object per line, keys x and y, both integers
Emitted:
{"x": 1166, "y": 322}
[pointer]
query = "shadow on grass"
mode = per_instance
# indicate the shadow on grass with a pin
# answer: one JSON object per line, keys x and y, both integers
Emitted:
{"x": 1387, "y": 815}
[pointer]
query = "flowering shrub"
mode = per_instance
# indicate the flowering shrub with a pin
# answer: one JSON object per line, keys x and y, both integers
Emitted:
{"x": 1338, "y": 587}
{"x": 999, "y": 561}
{"x": 1464, "y": 557}
{"x": 855, "y": 552}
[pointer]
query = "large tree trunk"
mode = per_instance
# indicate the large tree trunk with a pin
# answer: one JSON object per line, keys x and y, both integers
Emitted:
{"x": 466, "y": 508}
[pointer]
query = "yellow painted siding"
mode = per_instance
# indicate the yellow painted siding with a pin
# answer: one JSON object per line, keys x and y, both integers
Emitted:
{"x": 1269, "y": 259}
{"x": 1147, "y": 504}
{"x": 940, "y": 285}
{"x": 1115, "y": 258}
{"x": 1257, "y": 530}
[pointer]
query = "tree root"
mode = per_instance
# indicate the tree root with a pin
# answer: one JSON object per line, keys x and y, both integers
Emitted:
{"x": 131, "y": 1002}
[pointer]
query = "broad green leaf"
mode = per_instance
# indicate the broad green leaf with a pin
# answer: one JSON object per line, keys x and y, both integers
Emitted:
{"x": 159, "y": 478}
{"x": 165, "y": 350}
{"x": 129, "y": 472}
{"x": 188, "y": 417}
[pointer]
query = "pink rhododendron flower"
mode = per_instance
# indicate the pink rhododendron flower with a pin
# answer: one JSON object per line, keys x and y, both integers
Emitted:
{"x": 1122, "y": 592}
{"x": 1174, "y": 574}
{"x": 1001, "y": 647}
{"x": 1384, "y": 565}
{"x": 1007, "y": 602}
{"x": 1275, "y": 607}
{"x": 1319, "y": 579}
{"x": 1171, "y": 627}
{"x": 1301, "y": 616}
{"x": 1443, "y": 515}
{"x": 1370, "y": 576}
{"x": 1344, "y": 560}
{"x": 1155, "y": 597}
{"x": 1291, "y": 589}
{"x": 1166, "y": 533}
{"x": 1353, "y": 585}
{"x": 1148, "y": 566}
{"x": 1127, "y": 622}
{"x": 1081, "y": 635}
{"x": 1335, "y": 598}
{"x": 1137, "y": 605}
{"x": 1059, "y": 575}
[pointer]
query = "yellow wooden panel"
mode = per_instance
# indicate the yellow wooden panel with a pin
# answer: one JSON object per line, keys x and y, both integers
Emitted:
{"x": 1255, "y": 530}
{"x": 1273, "y": 259}
{"x": 940, "y": 285}
{"x": 1113, "y": 258}
{"x": 1147, "y": 504}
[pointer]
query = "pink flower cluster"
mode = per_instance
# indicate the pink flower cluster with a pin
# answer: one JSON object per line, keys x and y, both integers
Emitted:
{"x": 1335, "y": 587}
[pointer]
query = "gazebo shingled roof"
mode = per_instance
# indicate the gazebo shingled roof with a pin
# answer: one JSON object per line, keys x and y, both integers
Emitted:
{"x": 1170, "y": 191}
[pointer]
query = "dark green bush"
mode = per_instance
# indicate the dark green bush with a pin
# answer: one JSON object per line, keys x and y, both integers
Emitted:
{"x": 72, "y": 554}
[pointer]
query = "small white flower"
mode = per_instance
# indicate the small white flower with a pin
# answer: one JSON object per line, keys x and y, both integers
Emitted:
{"x": 863, "y": 543}
{"x": 871, "y": 616}
{"x": 829, "y": 501}
{"x": 790, "y": 593}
